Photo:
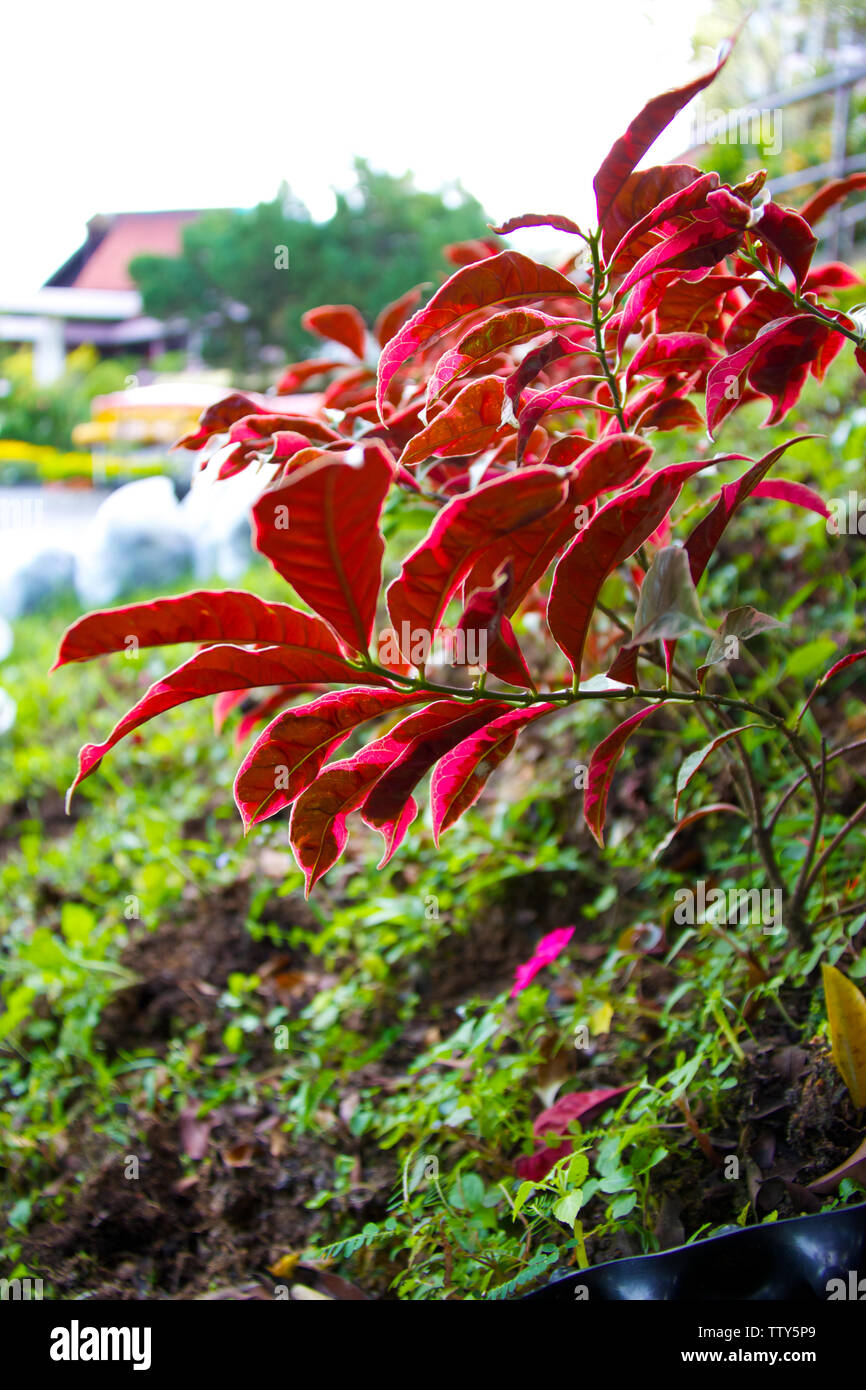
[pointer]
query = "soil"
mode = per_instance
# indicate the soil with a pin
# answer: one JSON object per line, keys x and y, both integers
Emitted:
{"x": 217, "y": 1203}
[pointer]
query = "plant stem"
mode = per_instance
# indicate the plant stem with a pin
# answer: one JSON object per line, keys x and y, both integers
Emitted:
{"x": 796, "y": 298}
{"x": 598, "y": 328}
{"x": 837, "y": 839}
{"x": 795, "y": 786}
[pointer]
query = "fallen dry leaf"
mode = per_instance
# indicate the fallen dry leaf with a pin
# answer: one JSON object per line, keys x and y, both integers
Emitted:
{"x": 853, "y": 1167}
{"x": 195, "y": 1133}
{"x": 846, "y": 1015}
{"x": 239, "y": 1155}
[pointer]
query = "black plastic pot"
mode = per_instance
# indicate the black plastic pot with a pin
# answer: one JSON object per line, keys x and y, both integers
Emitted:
{"x": 791, "y": 1260}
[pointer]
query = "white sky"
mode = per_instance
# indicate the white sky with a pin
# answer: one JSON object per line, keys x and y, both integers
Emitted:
{"x": 125, "y": 106}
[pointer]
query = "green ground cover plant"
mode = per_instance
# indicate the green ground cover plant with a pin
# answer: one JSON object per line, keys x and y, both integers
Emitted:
{"x": 577, "y": 1011}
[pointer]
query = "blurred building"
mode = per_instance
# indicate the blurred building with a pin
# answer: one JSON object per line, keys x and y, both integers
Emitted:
{"x": 91, "y": 298}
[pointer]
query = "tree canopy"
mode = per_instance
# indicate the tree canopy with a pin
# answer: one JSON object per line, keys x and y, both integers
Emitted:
{"x": 245, "y": 277}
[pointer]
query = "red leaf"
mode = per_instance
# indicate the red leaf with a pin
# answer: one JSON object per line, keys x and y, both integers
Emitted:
{"x": 602, "y": 766}
{"x": 223, "y": 705}
{"x": 734, "y": 212}
{"x": 227, "y": 615}
{"x": 548, "y": 949}
{"x": 463, "y": 530}
{"x": 271, "y": 438}
{"x": 318, "y": 828}
{"x": 556, "y": 398}
{"x": 437, "y": 729}
{"x": 688, "y": 189}
{"x": 470, "y": 252}
{"x": 707, "y": 534}
{"x": 564, "y": 452}
{"x": 261, "y": 711}
{"x": 643, "y": 298}
{"x": 827, "y": 197}
{"x": 695, "y": 306}
{"x": 578, "y": 1105}
{"x": 614, "y": 533}
{"x": 751, "y": 185}
{"x": 217, "y": 418}
{"x": 798, "y": 494}
{"x": 705, "y": 537}
{"x": 353, "y": 389}
{"x": 663, "y": 353}
{"x": 341, "y": 323}
{"x": 643, "y": 132}
{"x": 789, "y": 234}
{"x": 506, "y": 661}
{"x": 260, "y": 429}
{"x": 609, "y": 464}
{"x": 672, "y": 414}
{"x": 489, "y": 634}
{"x": 313, "y": 656}
{"x": 462, "y": 773}
{"x": 319, "y": 527}
{"x": 299, "y": 372}
{"x": 612, "y": 463}
{"x": 838, "y": 666}
{"x": 505, "y": 279}
{"x": 496, "y": 334}
{"x": 776, "y": 362}
{"x": 765, "y": 307}
{"x": 535, "y": 362}
{"x": 290, "y": 753}
{"x": 466, "y": 426}
{"x": 537, "y": 219}
{"x": 317, "y": 832}
{"x": 394, "y": 315}
{"x": 624, "y": 667}
{"x": 702, "y": 243}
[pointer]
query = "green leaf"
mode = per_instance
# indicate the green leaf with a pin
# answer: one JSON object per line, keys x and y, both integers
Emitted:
{"x": 577, "y": 1170}
{"x": 668, "y": 606}
{"x": 467, "y": 1192}
{"x": 524, "y": 1192}
{"x": 566, "y": 1209}
{"x": 806, "y": 660}
{"x": 738, "y": 626}
{"x": 17, "y": 1008}
{"x": 623, "y": 1205}
{"x": 19, "y": 1214}
{"x": 77, "y": 923}
{"x": 690, "y": 765}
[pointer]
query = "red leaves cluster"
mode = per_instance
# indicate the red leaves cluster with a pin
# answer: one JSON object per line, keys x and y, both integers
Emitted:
{"x": 517, "y": 405}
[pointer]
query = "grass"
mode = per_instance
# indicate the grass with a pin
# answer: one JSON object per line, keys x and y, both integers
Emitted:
{"x": 346, "y": 1084}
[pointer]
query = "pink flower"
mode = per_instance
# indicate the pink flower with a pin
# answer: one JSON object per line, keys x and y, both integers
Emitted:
{"x": 548, "y": 948}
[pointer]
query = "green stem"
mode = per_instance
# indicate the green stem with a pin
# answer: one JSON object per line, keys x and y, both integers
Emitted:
{"x": 598, "y": 328}
{"x": 796, "y": 298}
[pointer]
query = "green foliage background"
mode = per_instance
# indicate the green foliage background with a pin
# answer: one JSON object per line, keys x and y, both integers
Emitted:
{"x": 384, "y": 236}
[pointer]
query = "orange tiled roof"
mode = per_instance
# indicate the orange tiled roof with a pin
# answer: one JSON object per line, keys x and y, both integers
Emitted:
{"x": 120, "y": 237}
